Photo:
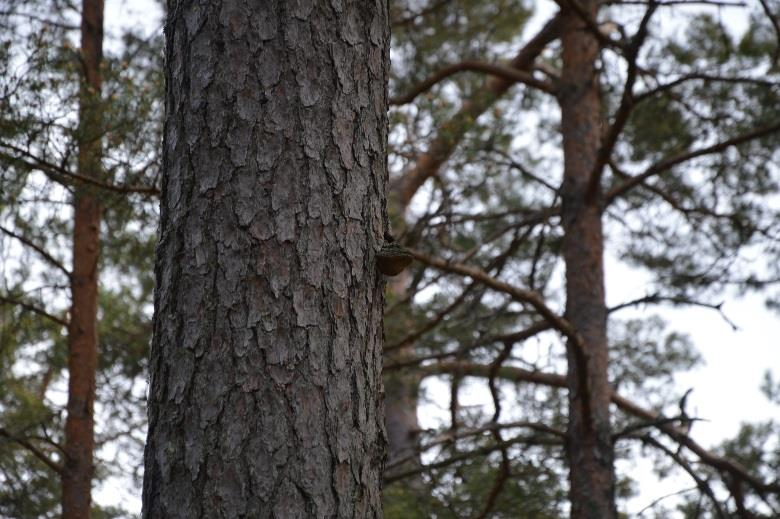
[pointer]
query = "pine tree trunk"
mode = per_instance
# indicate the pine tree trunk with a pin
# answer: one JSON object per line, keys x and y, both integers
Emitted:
{"x": 82, "y": 334}
{"x": 402, "y": 388}
{"x": 266, "y": 359}
{"x": 589, "y": 443}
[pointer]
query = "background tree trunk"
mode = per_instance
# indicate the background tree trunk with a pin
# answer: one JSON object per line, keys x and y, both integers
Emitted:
{"x": 401, "y": 400}
{"x": 589, "y": 443}
{"x": 82, "y": 333}
{"x": 267, "y": 350}
{"x": 402, "y": 386}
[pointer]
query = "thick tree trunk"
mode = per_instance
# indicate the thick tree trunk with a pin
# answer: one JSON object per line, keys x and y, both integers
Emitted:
{"x": 266, "y": 359}
{"x": 82, "y": 335}
{"x": 589, "y": 444}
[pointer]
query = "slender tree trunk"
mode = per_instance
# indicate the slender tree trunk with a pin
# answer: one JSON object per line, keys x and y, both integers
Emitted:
{"x": 82, "y": 335}
{"x": 266, "y": 360}
{"x": 589, "y": 443}
{"x": 401, "y": 398}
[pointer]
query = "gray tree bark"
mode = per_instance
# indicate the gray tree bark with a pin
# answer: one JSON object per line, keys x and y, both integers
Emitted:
{"x": 266, "y": 360}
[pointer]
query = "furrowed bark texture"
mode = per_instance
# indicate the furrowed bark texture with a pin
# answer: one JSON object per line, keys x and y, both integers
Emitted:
{"x": 266, "y": 359}
{"x": 82, "y": 334}
{"x": 589, "y": 444}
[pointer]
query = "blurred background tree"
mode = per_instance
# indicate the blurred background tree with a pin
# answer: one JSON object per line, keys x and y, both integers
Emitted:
{"x": 79, "y": 139}
{"x": 686, "y": 173}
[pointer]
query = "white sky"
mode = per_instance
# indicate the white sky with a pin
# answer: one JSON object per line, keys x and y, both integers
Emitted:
{"x": 725, "y": 389}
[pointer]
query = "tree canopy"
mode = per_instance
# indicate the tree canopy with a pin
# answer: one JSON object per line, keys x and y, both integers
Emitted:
{"x": 677, "y": 145}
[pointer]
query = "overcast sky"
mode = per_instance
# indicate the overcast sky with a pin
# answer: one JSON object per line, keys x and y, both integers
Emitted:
{"x": 725, "y": 388}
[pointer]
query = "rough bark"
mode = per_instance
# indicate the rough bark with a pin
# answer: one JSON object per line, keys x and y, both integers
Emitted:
{"x": 266, "y": 359}
{"x": 589, "y": 446}
{"x": 82, "y": 333}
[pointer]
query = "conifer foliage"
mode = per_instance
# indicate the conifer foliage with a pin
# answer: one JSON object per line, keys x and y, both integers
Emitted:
{"x": 533, "y": 147}
{"x": 523, "y": 161}
{"x": 79, "y": 133}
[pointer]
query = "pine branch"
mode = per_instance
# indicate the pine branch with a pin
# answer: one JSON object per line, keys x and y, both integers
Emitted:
{"x": 721, "y": 464}
{"x": 32, "y": 308}
{"x": 37, "y": 248}
{"x": 518, "y": 294}
{"x": 501, "y": 71}
{"x": 34, "y": 451}
{"x": 665, "y": 165}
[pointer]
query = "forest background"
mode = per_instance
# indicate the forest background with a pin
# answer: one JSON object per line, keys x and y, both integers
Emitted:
{"x": 464, "y": 213}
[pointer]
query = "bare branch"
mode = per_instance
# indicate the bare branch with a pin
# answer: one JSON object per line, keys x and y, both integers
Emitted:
{"x": 680, "y": 158}
{"x": 37, "y": 248}
{"x": 700, "y": 483}
{"x": 45, "y": 21}
{"x": 663, "y": 497}
{"x": 482, "y": 451}
{"x": 677, "y": 300}
{"x": 513, "y": 337}
{"x": 448, "y": 437}
{"x": 518, "y": 294}
{"x": 502, "y": 71}
{"x": 56, "y": 172}
{"x": 33, "y": 450}
{"x": 440, "y": 148}
{"x": 702, "y": 76}
{"x": 32, "y": 308}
